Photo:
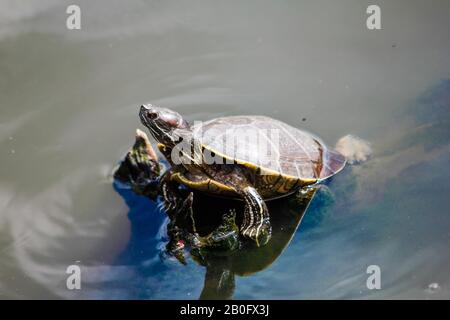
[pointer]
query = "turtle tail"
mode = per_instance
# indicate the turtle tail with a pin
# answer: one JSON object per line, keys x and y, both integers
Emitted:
{"x": 333, "y": 162}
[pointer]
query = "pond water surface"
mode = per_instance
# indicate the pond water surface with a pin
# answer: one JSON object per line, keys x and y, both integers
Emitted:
{"x": 69, "y": 108}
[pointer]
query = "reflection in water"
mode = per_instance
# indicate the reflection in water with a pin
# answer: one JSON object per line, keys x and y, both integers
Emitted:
{"x": 221, "y": 269}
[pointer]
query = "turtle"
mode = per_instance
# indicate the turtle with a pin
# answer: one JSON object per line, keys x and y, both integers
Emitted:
{"x": 212, "y": 239}
{"x": 220, "y": 157}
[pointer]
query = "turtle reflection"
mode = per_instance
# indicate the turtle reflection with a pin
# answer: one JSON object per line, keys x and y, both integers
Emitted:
{"x": 223, "y": 264}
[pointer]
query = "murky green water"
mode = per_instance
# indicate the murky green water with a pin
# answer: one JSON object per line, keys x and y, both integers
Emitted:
{"x": 68, "y": 111}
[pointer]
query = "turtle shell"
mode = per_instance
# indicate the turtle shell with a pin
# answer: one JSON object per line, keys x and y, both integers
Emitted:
{"x": 269, "y": 145}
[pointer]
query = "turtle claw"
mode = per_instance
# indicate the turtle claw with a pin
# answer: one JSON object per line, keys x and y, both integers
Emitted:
{"x": 178, "y": 253}
{"x": 261, "y": 233}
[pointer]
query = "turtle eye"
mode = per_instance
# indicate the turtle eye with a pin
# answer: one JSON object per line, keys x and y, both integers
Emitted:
{"x": 152, "y": 115}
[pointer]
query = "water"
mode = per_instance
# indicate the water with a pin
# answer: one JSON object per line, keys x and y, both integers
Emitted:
{"x": 69, "y": 103}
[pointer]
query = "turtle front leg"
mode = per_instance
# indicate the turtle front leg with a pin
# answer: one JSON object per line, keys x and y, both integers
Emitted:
{"x": 178, "y": 207}
{"x": 256, "y": 223}
{"x": 175, "y": 200}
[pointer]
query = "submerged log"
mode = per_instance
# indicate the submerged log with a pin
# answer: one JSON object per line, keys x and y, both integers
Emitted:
{"x": 140, "y": 168}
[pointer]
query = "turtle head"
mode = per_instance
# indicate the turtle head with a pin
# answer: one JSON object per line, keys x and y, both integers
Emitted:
{"x": 162, "y": 123}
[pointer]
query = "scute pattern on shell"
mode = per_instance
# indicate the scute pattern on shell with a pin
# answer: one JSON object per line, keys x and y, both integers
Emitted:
{"x": 280, "y": 147}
